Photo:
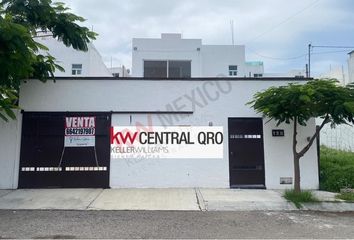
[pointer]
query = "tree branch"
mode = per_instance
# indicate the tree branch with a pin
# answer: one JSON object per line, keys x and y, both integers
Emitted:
{"x": 307, "y": 147}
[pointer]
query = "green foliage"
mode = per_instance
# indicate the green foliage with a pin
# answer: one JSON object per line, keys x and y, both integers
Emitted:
{"x": 317, "y": 98}
{"x": 49, "y": 17}
{"x": 336, "y": 169}
{"x": 21, "y": 21}
{"x": 347, "y": 196}
{"x": 299, "y": 197}
{"x": 8, "y": 99}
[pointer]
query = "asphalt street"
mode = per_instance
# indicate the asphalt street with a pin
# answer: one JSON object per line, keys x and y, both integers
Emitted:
{"x": 174, "y": 224}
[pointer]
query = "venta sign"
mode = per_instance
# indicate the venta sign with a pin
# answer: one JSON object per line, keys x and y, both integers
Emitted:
{"x": 167, "y": 142}
{"x": 80, "y": 131}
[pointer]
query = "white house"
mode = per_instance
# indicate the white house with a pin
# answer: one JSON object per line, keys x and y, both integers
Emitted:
{"x": 63, "y": 136}
{"x": 344, "y": 74}
{"x": 174, "y": 57}
{"x": 294, "y": 73}
{"x": 121, "y": 71}
{"x": 76, "y": 63}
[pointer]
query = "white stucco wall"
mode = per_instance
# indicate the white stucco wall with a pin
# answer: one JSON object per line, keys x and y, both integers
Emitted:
{"x": 279, "y": 159}
{"x": 10, "y": 139}
{"x": 91, "y": 60}
{"x": 169, "y": 47}
{"x": 217, "y": 58}
{"x": 214, "y": 101}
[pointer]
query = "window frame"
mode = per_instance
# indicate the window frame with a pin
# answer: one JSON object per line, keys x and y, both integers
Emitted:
{"x": 75, "y": 70}
{"x": 168, "y": 66}
{"x": 233, "y": 70}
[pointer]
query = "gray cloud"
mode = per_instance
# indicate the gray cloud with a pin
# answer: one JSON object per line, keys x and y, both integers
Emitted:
{"x": 270, "y": 29}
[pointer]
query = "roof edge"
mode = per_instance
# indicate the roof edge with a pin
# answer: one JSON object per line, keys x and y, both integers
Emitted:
{"x": 187, "y": 79}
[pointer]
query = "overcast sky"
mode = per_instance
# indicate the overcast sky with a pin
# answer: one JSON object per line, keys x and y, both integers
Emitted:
{"x": 276, "y": 32}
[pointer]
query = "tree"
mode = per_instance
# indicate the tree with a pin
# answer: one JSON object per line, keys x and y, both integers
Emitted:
{"x": 297, "y": 104}
{"x": 21, "y": 22}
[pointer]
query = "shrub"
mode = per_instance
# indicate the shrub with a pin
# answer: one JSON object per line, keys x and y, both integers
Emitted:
{"x": 298, "y": 198}
{"x": 336, "y": 169}
{"x": 347, "y": 196}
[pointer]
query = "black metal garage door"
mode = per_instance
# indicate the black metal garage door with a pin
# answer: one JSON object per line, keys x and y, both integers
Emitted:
{"x": 46, "y": 163}
{"x": 246, "y": 153}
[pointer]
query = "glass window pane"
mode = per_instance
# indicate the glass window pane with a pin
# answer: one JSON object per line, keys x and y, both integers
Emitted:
{"x": 77, "y": 66}
{"x": 179, "y": 69}
{"x": 233, "y": 67}
{"x": 156, "y": 69}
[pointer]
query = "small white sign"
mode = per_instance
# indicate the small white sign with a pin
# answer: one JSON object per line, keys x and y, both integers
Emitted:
{"x": 167, "y": 142}
{"x": 80, "y": 131}
{"x": 79, "y": 141}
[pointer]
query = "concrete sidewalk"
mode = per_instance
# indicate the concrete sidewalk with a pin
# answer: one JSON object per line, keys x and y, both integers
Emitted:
{"x": 181, "y": 199}
{"x": 187, "y": 199}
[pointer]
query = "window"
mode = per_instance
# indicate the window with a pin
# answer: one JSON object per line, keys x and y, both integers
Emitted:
{"x": 155, "y": 69}
{"x": 232, "y": 70}
{"x": 258, "y": 75}
{"x": 76, "y": 69}
{"x": 164, "y": 69}
{"x": 179, "y": 69}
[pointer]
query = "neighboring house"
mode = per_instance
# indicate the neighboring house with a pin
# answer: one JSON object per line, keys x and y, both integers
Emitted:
{"x": 174, "y": 57}
{"x": 294, "y": 73}
{"x": 254, "y": 69}
{"x": 76, "y": 63}
{"x": 120, "y": 71}
{"x": 338, "y": 72}
{"x": 344, "y": 74}
{"x": 351, "y": 66}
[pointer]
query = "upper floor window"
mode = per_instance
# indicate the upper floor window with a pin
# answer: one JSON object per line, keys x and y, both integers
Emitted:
{"x": 167, "y": 69}
{"x": 232, "y": 70}
{"x": 76, "y": 69}
{"x": 156, "y": 69}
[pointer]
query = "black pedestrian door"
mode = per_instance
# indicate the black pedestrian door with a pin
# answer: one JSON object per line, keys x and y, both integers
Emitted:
{"x": 65, "y": 150}
{"x": 246, "y": 153}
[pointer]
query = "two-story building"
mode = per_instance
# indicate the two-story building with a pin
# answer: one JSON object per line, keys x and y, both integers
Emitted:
{"x": 171, "y": 56}
{"x": 72, "y": 132}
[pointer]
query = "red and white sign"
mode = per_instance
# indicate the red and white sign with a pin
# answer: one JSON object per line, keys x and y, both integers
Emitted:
{"x": 167, "y": 142}
{"x": 80, "y": 131}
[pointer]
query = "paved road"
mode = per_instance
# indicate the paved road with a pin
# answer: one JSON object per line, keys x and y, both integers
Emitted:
{"x": 174, "y": 224}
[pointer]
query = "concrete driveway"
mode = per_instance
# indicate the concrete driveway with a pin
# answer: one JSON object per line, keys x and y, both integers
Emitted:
{"x": 71, "y": 199}
{"x": 244, "y": 200}
{"x": 146, "y": 199}
{"x": 186, "y": 199}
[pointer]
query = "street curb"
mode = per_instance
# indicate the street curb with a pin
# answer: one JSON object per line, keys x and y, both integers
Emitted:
{"x": 329, "y": 207}
{"x": 200, "y": 200}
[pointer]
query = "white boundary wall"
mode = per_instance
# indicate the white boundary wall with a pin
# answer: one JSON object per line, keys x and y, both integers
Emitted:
{"x": 10, "y": 142}
{"x": 214, "y": 102}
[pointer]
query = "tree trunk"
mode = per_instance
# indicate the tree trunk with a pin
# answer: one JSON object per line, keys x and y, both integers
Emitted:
{"x": 296, "y": 155}
{"x": 297, "y": 188}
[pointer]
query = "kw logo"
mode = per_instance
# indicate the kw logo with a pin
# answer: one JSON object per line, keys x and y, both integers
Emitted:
{"x": 122, "y": 137}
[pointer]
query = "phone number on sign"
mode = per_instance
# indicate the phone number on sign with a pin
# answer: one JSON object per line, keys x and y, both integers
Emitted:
{"x": 79, "y": 131}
